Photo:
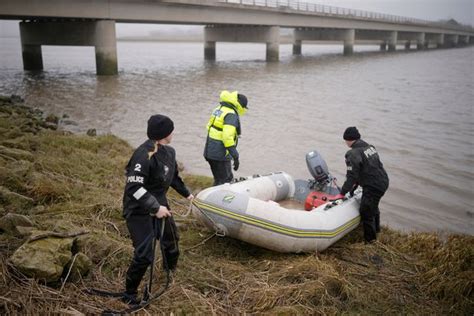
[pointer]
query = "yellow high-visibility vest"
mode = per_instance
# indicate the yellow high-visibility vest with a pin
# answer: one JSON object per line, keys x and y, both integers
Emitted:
{"x": 217, "y": 130}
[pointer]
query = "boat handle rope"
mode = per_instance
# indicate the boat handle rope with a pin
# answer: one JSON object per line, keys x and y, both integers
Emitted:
{"x": 219, "y": 231}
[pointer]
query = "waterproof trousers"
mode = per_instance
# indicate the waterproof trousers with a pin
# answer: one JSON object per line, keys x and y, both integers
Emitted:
{"x": 370, "y": 213}
{"x": 221, "y": 171}
{"x": 142, "y": 231}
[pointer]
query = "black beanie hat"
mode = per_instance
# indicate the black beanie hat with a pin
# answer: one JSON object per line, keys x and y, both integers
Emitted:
{"x": 159, "y": 127}
{"x": 242, "y": 100}
{"x": 351, "y": 133}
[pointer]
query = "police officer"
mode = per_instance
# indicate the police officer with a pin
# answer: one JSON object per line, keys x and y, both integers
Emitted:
{"x": 364, "y": 168}
{"x": 223, "y": 130}
{"x": 152, "y": 169}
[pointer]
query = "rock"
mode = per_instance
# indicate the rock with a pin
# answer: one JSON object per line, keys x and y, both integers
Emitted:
{"x": 25, "y": 231}
{"x": 96, "y": 246}
{"x": 43, "y": 259}
{"x": 52, "y": 119}
{"x": 91, "y": 132}
{"x": 16, "y": 99}
{"x": 11, "y": 222}
{"x": 15, "y": 176}
{"x": 60, "y": 225}
{"x": 81, "y": 266}
{"x": 14, "y": 201}
{"x": 38, "y": 209}
{"x": 49, "y": 125}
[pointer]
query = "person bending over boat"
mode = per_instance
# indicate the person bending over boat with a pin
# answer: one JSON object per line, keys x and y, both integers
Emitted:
{"x": 223, "y": 130}
{"x": 364, "y": 168}
{"x": 152, "y": 169}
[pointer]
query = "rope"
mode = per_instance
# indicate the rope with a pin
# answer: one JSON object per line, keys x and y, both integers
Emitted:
{"x": 219, "y": 231}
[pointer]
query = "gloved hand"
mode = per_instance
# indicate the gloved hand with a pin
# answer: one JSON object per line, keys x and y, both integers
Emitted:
{"x": 353, "y": 189}
{"x": 236, "y": 164}
{"x": 339, "y": 196}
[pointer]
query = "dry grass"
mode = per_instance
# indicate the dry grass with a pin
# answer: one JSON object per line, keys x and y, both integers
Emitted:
{"x": 77, "y": 181}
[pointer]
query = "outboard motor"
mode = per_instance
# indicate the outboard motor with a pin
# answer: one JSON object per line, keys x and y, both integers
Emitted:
{"x": 319, "y": 170}
{"x": 322, "y": 188}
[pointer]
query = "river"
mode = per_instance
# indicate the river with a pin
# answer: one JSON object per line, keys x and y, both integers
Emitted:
{"x": 416, "y": 107}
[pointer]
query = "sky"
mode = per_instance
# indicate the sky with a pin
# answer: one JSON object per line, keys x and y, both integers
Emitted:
{"x": 460, "y": 10}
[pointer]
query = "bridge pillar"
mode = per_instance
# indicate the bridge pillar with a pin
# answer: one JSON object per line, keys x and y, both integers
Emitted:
{"x": 451, "y": 40}
{"x": 440, "y": 40}
{"x": 349, "y": 40}
{"x": 105, "y": 48}
{"x": 463, "y": 40}
{"x": 100, "y": 34}
{"x": 392, "y": 41}
{"x": 240, "y": 33}
{"x": 297, "y": 47}
{"x": 273, "y": 48}
{"x": 32, "y": 57}
{"x": 420, "y": 41}
{"x": 209, "y": 50}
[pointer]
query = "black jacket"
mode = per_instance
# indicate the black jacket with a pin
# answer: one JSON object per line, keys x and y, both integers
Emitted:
{"x": 364, "y": 168}
{"x": 149, "y": 174}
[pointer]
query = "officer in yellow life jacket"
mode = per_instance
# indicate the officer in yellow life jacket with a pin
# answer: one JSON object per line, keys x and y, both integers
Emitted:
{"x": 223, "y": 130}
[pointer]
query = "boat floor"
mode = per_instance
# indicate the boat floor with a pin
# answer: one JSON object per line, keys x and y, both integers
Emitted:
{"x": 292, "y": 204}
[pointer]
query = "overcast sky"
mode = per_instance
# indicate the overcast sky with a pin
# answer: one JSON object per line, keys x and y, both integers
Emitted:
{"x": 460, "y": 10}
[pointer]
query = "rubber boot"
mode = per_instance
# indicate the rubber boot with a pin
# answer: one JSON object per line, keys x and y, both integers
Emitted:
{"x": 132, "y": 281}
{"x": 130, "y": 298}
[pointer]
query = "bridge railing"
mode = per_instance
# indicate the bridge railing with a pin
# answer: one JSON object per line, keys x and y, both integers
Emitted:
{"x": 321, "y": 9}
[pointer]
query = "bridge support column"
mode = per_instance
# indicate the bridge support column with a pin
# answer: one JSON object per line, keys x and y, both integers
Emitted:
{"x": 32, "y": 57}
{"x": 273, "y": 44}
{"x": 100, "y": 34}
{"x": 209, "y": 50}
{"x": 463, "y": 40}
{"x": 105, "y": 48}
{"x": 420, "y": 41}
{"x": 297, "y": 47}
{"x": 440, "y": 41}
{"x": 451, "y": 40}
{"x": 392, "y": 41}
{"x": 240, "y": 33}
{"x": 349, "y": 40}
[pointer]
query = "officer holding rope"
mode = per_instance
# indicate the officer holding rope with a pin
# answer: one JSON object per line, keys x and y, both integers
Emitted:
{"x": 152, "y": 169}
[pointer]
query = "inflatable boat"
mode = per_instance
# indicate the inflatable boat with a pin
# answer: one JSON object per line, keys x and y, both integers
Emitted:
{"x": 253, "y": 210}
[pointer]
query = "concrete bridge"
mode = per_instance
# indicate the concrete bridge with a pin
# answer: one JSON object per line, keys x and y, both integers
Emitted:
{"x": 92, "y": 23}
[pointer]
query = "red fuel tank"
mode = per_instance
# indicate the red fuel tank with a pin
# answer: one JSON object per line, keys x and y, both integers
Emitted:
{"x": 316, "y": 198}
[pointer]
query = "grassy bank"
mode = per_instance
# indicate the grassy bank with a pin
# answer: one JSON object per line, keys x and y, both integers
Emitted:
{"x": 63, "y": 182}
